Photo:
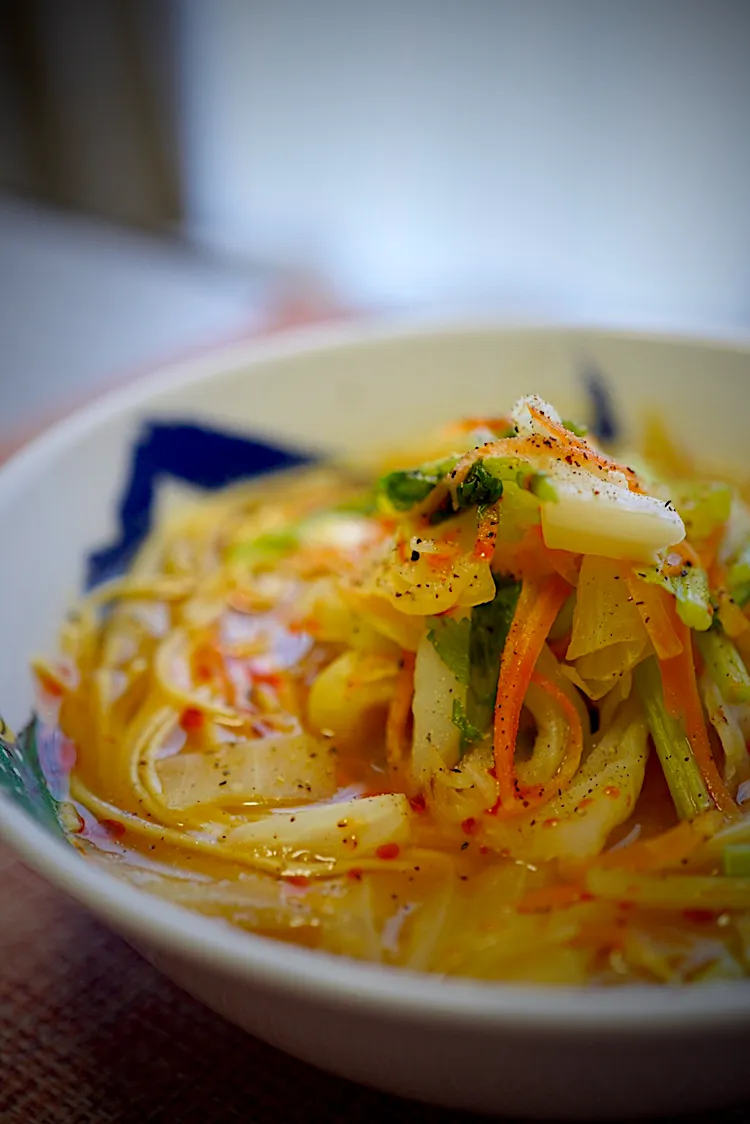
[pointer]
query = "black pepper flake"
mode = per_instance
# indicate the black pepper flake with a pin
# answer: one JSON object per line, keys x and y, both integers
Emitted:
{"x": 464, "y": 845}
{"x": 415, "y": 556}
{"x": 222, "y": 783}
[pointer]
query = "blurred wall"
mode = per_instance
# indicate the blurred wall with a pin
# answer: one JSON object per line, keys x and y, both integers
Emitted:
{"x": 584, "y": 157}
{"x": 87, "y": 107}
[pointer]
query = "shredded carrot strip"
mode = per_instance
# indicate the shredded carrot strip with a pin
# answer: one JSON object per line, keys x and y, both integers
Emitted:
{"x": 484, "y": 547}
{"x": 653, "y": 603}
{"x": 533, "y": 796}
{"x": 493, "y": 424}
{"x": 682, "y": 700}
{"x": 398, "y": 714}
{"x": 547, "y": 898}
{"x": 570, "y": 441}
{"x": 537, "y": 608}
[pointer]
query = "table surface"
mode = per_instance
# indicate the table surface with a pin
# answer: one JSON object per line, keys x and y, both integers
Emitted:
{"x": 92, "y": 1034}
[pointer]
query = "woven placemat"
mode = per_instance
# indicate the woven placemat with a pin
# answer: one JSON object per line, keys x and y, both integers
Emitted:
{"x": 91, "y": 1034}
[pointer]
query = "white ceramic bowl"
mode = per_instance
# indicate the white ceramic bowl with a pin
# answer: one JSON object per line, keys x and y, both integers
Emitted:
{"x": 554, "y": 1052}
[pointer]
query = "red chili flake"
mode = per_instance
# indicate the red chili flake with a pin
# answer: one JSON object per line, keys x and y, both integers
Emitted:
{"x": 388, "y": 851}
{"x": 699, "y": 916}
{"x": 113, "y": 828}
{"x": 418, "y": 803}
{"x": 469, "y": 826}
{"x": 550, "y": 823}
{"x": 586, "y": 896}
{"x": 354, "y": 873}
{"x": 612, "y": 791}
{"x": 484, "y": 849}
{"x": 584, "y": 803}
{"x": 297, "y": 879}
{"x": 492, "y": 772}
{"x": 192, "y": 718}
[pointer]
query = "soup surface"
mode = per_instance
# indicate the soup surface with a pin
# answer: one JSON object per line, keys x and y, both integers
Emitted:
{"x": 483, "y": 713}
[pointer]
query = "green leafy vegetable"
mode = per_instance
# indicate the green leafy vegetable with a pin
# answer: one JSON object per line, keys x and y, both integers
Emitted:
{"x": 469, "y": 732}
{"x": 481, "y": 487}
{"x": 690, "y": 590}
{"x": 736, "y": 860}
{"x": 490, "y": 624}
{"x": 681, "y": 771}
{"x": 23, "y": 777}
{"x": 406, "y": 488}
{"x": 472, "y": 647}
{"x": 725, "y": 665}
{"x": 450, "y": 638}
{"x": 576, "y": 428}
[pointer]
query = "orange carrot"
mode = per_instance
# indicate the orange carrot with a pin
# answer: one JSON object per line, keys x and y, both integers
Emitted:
{"x": 533, "y": 796}
{"x": 484, "y": 547}
{"x": 654, "y": 604}
{"x": 582, "y": 448}
{"x": 398, "y": 714}
{"x": 537, "y": 608}
{"x": 682, "y": 700}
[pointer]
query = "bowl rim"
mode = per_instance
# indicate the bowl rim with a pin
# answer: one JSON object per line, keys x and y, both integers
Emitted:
{"x": 310, "y": 974}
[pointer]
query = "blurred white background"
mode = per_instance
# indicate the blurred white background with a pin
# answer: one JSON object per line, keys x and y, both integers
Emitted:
{"x": 585, "y": 160}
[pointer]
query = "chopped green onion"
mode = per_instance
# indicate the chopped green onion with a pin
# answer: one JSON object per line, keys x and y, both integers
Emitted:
{"x": 681, "y": 771}
{"x": 735, "y": 860}
{"x": 725, "y": 665}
